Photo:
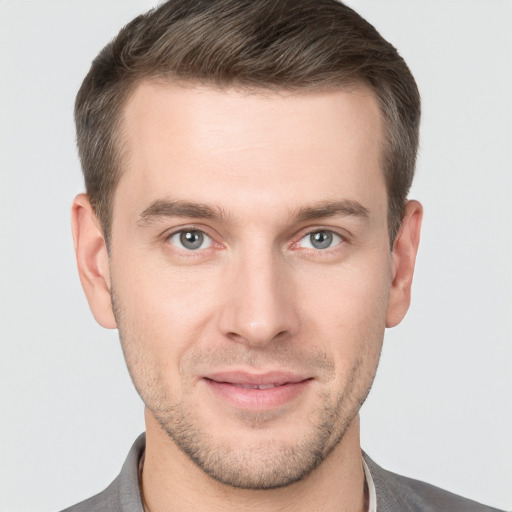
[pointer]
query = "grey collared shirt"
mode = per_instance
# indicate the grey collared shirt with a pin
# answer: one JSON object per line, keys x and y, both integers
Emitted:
{"x": 392, "y": 492}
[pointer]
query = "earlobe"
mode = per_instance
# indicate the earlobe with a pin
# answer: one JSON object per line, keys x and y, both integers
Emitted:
{"x": 405, "y": 248}
{"x": 92, "y": 260}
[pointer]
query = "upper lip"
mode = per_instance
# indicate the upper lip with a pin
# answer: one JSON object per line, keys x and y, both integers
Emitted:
{"x": 243, "y": 378}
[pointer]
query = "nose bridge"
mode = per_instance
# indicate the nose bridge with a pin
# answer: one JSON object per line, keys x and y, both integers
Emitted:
{"x": 258, "y": 306}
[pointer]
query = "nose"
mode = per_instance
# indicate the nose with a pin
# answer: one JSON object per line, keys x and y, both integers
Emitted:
{"x": 258, "y": 306}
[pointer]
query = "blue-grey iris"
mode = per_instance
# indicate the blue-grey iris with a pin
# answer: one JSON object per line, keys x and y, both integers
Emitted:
{"x": 191, "y": 239}
{"x": 321, "y": 239}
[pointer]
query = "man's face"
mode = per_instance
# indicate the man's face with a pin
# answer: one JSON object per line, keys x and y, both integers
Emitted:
{"x": 250, "y": 271}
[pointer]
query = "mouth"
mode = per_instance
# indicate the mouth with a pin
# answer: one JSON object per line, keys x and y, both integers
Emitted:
{"x": 248, "y": 391}
{"x": 255, "y": 386}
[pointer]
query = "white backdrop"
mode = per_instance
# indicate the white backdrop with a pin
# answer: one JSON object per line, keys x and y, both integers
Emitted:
{"x": 441, "y": 406}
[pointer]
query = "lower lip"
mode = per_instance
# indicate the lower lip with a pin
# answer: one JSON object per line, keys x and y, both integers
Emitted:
{"x": 258, "y": 399}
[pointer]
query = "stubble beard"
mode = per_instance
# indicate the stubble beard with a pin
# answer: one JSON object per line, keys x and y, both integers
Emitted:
{"x": 265, "y": 464}
{"x": 268, "y": 463}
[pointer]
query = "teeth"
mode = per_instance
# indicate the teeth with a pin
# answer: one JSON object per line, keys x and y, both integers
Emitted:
{"x": 256, "y": 386}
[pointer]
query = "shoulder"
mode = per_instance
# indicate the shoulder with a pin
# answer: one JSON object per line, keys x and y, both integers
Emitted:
{"x": 105, "y": 501}
{"x": 399, "y": 493}
{"x": 123, "y": 494}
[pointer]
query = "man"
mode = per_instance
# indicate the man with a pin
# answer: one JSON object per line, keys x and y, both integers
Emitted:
{"x": 247, "y": 230}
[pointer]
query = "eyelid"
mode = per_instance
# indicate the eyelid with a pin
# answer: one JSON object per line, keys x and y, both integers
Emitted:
{"x": 310, "y": 231}
{"x": 186, "y": 227}
{"x": 177, "y": 243}
{"x": 168, "y": 234}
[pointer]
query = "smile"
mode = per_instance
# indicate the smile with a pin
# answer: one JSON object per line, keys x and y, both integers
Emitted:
{"x": 257, "y": 392}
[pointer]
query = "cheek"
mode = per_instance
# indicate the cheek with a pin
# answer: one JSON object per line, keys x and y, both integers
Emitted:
{"x": 160, "y": 321}
{"x": 348, "y": 314}
{"x": 165, "y": 308}
{"x": 349, "y": 298}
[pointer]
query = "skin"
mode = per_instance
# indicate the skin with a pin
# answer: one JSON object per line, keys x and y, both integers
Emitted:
{"x": 268, "y": 170}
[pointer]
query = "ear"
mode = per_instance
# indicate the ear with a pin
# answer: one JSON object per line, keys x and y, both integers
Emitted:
{"x": 92, "y": 260}
{"x": 405, "y": 248}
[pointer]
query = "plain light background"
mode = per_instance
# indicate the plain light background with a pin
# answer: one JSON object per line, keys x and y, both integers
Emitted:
{"x": 441, "y": 406}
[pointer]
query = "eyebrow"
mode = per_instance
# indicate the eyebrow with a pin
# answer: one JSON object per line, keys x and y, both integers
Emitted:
{"x": 343, "y": 207}
{"x": 162, "y": 208}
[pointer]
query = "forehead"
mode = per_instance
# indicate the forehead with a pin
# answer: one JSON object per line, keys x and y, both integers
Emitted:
{"x": 238, "y": 147}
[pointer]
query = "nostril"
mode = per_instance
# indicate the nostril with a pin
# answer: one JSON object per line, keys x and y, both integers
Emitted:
{"x": 257, "y": 338}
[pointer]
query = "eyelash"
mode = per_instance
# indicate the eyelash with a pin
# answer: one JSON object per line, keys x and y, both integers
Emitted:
{"x": 190, "y": 252}
{"x": 328, "y": 252}
{"x": 217, "y": 245}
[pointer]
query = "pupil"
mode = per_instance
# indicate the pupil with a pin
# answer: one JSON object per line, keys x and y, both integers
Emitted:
{"x": 191, "y": 239}
{"x": 321, "y": 239}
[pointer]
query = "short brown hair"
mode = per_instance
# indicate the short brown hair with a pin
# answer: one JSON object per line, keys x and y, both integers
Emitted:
{"x": 272, "y": 44}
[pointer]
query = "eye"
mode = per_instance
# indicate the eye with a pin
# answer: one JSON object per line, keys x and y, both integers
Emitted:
{"x": 320, "y": 240}
{"x": 190, "y": 240}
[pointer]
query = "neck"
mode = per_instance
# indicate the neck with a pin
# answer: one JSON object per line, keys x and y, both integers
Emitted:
{"x": 171, "y": 481}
